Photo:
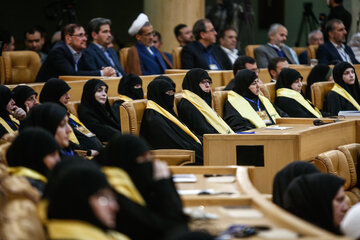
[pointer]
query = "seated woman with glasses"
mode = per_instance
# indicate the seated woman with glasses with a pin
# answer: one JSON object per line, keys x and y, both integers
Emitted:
{"x": 195, "y": 106}
{"x": 160, "y": 125}
{"x": 245, "y": 108}
{"x": 289, "y": 97}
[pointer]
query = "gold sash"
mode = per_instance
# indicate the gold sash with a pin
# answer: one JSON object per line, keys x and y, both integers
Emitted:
{"x": 26, "y": 172}
{"x": 244, "y": 108}
{"x": 342, "y": 92}
{"x": 6, "y": 125}
{"x": 79, "y": 230}
{"x": 122, "y": 183}
{"x": 124, "y": 98}
{"x": 154, "y": 106}
{"x": 289, "y": 93}
{"x": 210, "y": 115}
{"x": 82, "y": 129}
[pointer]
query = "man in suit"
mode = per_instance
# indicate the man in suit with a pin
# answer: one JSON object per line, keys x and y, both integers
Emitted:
{"x": 275, "y": 66}
{"x": 183, "y": 34}
{"x": 228, "y": 40}
{"x": 316, "y": 37}
{"x": 275, "y": 47}
{"x": 335, "y": 50}
{"x": 98, "y": 54}
{"x": 144, "y": 58}
{"x": 66, "y": 58}
{"x": 202, "y": 53}
{"x": 242, "y": 62}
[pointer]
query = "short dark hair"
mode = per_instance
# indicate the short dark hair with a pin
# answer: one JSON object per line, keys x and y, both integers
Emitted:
{"x": 95, "y": 24}
{"x": 273, "y": 62}
{"x": 330, "y": 25}
{"x": 178, "y": 28}
{"x": 147, "y": 24}
{"x": 34, "y": 29}
{"x": 222, "y": 33}
{"x": 157, "y": 34}
{"x": 69, "y": 30}
{"x": 199, "y": 27}
{"x": 240, "y": 62}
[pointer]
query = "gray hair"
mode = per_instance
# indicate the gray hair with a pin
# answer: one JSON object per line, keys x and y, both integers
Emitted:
{"x": 273, "y": 28}
{"x": 95, "y": 24}
{"x": 310, "y": 35}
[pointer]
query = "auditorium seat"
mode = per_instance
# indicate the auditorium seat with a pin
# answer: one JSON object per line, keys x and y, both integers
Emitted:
{"x": 268, "y": 89}
{"x": 335, "y": 162}
{"x": 264, "y": 75}
{"x": 299, "y": 50}
{"x": 219, "y": 99}
{"x": 312, "y": 49}
{"x": 174, "y": 157}
{"x": 352, "y": 152}
{"x": 19, "y": 67}
{"x": 249, "y": 50}
{"x": 176, "y": 54}
{"x": 3, "y": 149}
{"x": 123, "y": 57}
{"x": 319, "y": 92}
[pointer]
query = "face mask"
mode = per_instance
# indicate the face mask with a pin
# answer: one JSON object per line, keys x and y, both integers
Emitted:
{"x": 137, "y": 93}
{"x": 169, "y": 101}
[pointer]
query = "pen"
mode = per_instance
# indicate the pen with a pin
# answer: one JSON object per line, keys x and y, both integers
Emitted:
{"x": 252, "y": 132}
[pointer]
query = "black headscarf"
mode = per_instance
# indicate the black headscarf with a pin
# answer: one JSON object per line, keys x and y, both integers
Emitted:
{"x": 284, "y": 177}
{"x": 30, "y": 148}
{"x": 156, "y": 91}
{"x": 126, "y": 86}
{"x": 21, "y": 93}
{"x": 71, "y": 184}
{"x": 88, "y": 100}
{"x": 166, "y": 78}
{"x": 354, "y": 89}
{"x": 243, "y": 79}
{"x": 287, "y": 77}
{"x": 5, "y": 97}
{"x": 192, "y": 80}
{"x": 310, "y": 198}
{"x": 320, "y": 73}
{"x": 52, "y": 91}
{"x": 47, "y": 116}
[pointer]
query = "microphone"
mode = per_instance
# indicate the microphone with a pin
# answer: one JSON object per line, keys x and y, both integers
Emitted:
{"x": 318, "y": 122}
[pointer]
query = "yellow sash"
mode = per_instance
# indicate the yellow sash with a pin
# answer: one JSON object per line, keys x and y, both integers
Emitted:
{"x": 79, "y": 230}
{"x": 210, "y": 115}
{"x": 122, "y": 183}
{"x": 26, "y": 172}
{"x": 289, "y": 93}
{"x": 342, "y": 92}
{"x": 6, "y": 125}
{"x": 124, "y": 98}
{"x": 246, "y": 110}
{"x": 154, "y": 106}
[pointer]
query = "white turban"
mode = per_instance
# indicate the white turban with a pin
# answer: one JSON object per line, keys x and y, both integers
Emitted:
{"x": 138, "y": 24}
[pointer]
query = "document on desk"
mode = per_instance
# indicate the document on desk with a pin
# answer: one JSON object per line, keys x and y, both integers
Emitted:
{"x": 349, "y": 113}
{"x": 276, "y": 127}
{"x": 184, "y": 178}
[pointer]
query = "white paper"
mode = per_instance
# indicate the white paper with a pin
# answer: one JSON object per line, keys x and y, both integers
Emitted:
{"x": 276, "y": 127}
{"x": 184, "y": 178}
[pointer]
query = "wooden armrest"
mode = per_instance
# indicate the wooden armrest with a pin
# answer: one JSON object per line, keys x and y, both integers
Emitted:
{"x": 174, "y": 157}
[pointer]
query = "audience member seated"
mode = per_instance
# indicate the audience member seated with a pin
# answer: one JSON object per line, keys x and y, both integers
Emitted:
{"x": 183, "y": 34}
{"x": 144, "y": 58}
{"x": 56, "y": 90}
{"x": 335, "y": 50}
{"x": 129, "y": 88}
{"x": 289, "y": 97}
{"x": 318, "y": 198}
{"x": 10, "y": 114}
{"x": 350, "y": 224}
{"x": 319, "y": 73}
{"x": 354, "y": 44}
{"x": 316, "y": 37}
{"x": 284, "y": 177}
{"x": 82, "y": 204}
{"x": 8, "y": 41}
{"x": 243, "y": 62}
{"x": 229, "y": 53}
{"x": 345, "y": 95}
{"x": 156, "y": 206}
{"x": 24, "y": 97}
{"x": 195, "y": 106}
{"x": 34, "y": 41}
{"x": 160, "y": 125}
{"x": 98, "y": 55}
{"x": 54, "y": 119}
{"x": 32, "y": 155}
{"x": 157, "y": 43}
{"x": 275, "y": 66}
{"x": 202, "y": 53}
{"x": 66, "y": 57}
{"x": 275, "y": 47}
{"x": 245, "y": 109}
{"x": 95, "y": 111}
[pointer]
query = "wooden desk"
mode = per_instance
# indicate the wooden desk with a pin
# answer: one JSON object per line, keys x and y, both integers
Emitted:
{"x": 303, "y": 142}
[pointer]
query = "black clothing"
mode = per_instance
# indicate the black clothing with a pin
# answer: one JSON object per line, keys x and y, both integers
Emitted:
{"x": 21, "y": 93}
{"x": 286, "y": 78}
{"x": 192, "y": 80}
{"x": 284, "y": 177}
{"x": 230, "y": 85}
{"x": 225, "y": 60}
{"x": 337, "y": 103}
{"x": 52, "y": 91}
{"x": 98, "y": 118}
{"x": 339, "y": 12}
{"x": 5, "y": 97}
{"x": 319, "y": 73}
{"x": 310, "y": 198}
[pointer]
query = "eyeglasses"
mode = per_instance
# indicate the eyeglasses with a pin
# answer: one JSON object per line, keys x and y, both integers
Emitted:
{"x": 211, "y": 30}
{"x": 81, "y": 35}
{"x": 205, "y": 81}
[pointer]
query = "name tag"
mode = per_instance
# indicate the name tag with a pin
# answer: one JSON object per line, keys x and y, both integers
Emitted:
{"x": 263, "y": 115}
{"x": 85, "y": 131}
{"x": 213, "y": 67}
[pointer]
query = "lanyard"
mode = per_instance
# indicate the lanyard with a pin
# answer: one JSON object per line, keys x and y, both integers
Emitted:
{"x": 257, "y": 103}
{"x": 73, "y": 123}
{"x": 12, "y": 125}
{"x": 343, "y": 54}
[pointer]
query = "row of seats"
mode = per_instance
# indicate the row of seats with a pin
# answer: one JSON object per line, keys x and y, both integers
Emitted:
{"x": 342, "y": 162}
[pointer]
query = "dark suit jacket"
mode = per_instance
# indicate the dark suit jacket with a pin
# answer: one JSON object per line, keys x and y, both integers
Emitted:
{"x": 225, "y": 60}
{"x": 328, "y": 54}
{"x": 61, "y": 62}
{"x": 193, "y": 55}
{"x": 265, "y": 52}
{"x": 96, "y": 58}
